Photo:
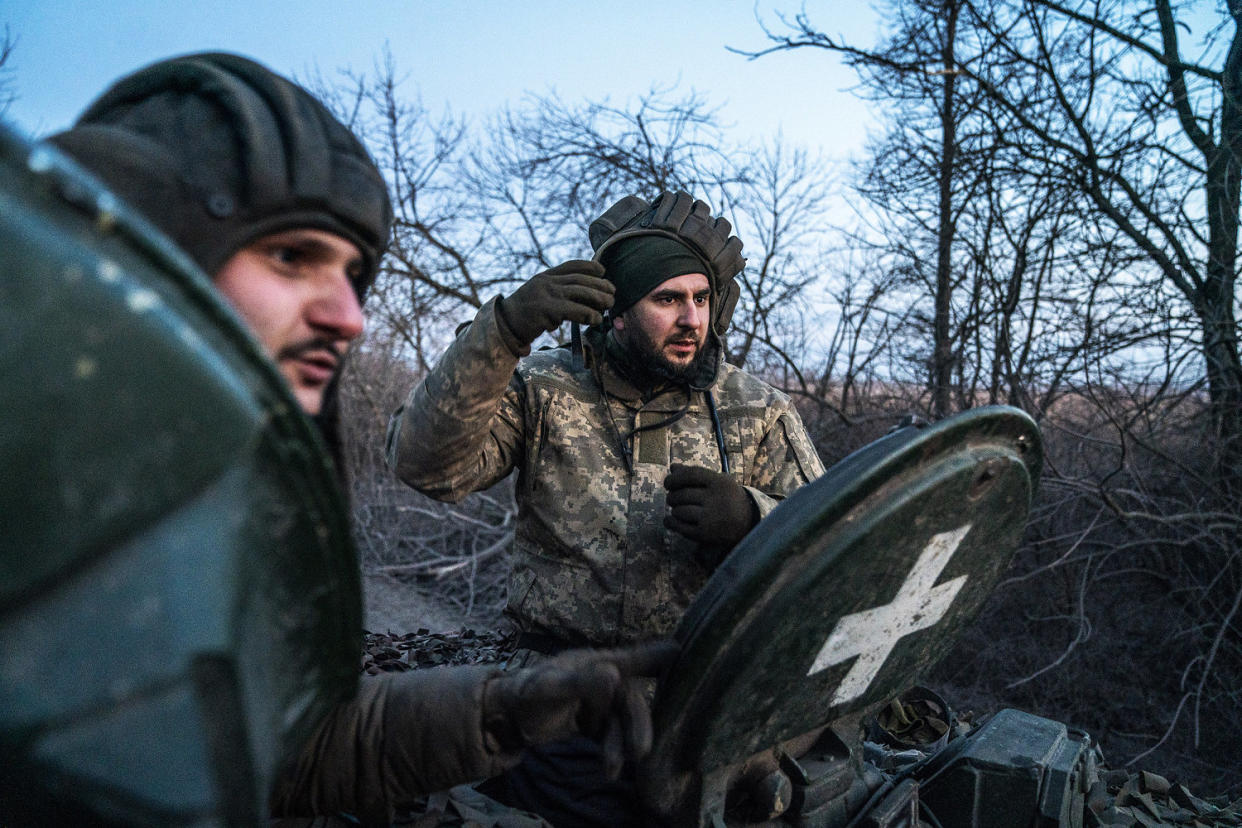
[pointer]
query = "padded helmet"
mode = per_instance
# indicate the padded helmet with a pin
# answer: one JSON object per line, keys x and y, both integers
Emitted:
{"x": 681, "y": 217}
{"x": 219, "y": 151}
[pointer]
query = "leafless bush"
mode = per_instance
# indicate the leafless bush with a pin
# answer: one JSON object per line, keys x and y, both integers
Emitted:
{"x": 458, "y": 552}
{"x": 1120, "y": 613}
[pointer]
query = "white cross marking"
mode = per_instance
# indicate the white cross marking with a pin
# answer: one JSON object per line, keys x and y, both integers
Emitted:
{"x": 872, "y": 634}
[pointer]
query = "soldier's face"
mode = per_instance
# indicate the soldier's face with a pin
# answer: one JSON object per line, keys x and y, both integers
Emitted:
{"x": 294, "y": 289}
{"x": 669, "y": 325}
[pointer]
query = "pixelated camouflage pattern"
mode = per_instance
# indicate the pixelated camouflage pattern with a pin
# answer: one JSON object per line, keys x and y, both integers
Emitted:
{"x": 593, "y": 562}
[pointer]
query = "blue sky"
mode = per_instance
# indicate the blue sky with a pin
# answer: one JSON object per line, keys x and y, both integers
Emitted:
{"x": 468, "y": 56}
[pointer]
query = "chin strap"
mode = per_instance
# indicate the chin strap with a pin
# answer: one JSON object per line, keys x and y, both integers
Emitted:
{"x": 626, "y": 452}
{"x": 720, "y": 443}
{"x": 575, "y": 346}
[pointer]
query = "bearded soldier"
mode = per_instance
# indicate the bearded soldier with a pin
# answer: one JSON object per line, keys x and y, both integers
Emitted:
{"x": 642, "y": 456}
{"x": 642, "y": 459}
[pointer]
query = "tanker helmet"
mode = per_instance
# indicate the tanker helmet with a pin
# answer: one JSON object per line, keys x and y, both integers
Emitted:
{"x": 219, "y": 151}
{"x": 681, "y": 217}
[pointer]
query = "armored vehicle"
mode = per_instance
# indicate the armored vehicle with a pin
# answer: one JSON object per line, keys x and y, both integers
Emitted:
{"x": 180, "y": 599}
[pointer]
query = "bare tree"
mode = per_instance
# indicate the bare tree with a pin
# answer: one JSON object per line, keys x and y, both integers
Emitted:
{"x": 1105, "y": 101}
{"x": 8, "y": 94}
{"x": 781, "y": 208}
{"x": 1093, "y": 252}
{"x": 922, "y": 161}
{"x": 1102, "y": 96}
{"x": 1152, "y": 140}
{"x": 548, "y": 168}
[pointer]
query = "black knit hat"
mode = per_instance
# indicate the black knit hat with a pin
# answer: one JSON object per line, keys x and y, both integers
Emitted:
{"x": 218, "y": 151}
{"x": 640, "y": 264}
{"x": 684, "y": 219}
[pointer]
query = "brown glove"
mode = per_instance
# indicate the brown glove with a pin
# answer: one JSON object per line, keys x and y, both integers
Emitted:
{"x": 412, "y": 733}
{"x": 596, "y": 693}
{"x": 709, "y": 507}
{"x": 402, "y": 735}
{"x": 575, "y": 291}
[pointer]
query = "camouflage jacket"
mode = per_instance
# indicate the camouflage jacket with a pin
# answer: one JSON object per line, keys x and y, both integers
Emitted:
{"x": 593, "y": 562}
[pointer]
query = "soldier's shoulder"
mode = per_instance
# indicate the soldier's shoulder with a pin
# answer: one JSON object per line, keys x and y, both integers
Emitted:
{"x": 553, "y": 368}
{"x": 734, "y": 385}
{"x": 547, "y": 361}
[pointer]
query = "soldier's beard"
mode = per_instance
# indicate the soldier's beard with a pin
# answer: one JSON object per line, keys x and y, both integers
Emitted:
{"x": 649, "y": 356}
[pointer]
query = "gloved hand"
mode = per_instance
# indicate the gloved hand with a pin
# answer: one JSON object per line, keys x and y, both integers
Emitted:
{"x": 709, "y": 507}
{"x": 575, "y": 291}
{"x": 596, "y": 693}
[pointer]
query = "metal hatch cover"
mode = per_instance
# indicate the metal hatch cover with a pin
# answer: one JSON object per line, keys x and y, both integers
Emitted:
{"x": 179, "y": 590}
{"x": 848, "y": 591}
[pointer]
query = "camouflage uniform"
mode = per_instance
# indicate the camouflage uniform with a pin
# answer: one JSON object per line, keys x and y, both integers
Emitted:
{"x": 593, "y": 562}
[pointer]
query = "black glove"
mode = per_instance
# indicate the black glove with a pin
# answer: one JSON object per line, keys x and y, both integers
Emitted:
{"x": 596, "y": 693}
{"x": 575, "y": 291}
{"x": 709, "y": 507}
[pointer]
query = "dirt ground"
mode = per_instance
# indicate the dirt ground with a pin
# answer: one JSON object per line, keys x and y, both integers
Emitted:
{"x": 394, "y": 607}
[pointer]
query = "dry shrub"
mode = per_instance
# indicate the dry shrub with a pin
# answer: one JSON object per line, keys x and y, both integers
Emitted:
{"x": 1118, "y": 615}
{"x": 455, "y": 554}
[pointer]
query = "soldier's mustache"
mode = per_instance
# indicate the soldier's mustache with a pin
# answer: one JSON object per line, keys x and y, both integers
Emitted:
{"x": 315, "y": 346}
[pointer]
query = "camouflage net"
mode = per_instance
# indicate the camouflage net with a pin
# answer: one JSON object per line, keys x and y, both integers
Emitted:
{"x": 389, "y": 653}
{"x": 1147, "y": 800}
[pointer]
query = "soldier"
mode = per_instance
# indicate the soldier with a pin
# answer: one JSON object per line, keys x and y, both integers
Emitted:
{"x": 277, "y": 201}
{"x": 605, "y": 442}
{"x": 642, "y": 459}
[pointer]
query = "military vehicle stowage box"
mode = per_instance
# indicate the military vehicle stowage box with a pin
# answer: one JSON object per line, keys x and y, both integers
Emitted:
{"x": 1017, "y": 771}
